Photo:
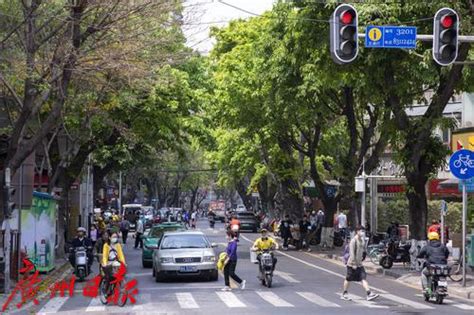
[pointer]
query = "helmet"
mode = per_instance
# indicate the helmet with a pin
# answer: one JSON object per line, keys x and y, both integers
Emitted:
{"x": 263, "y": 231}
{"x": 81, "y": 229}
{"x": 433, "y": 236}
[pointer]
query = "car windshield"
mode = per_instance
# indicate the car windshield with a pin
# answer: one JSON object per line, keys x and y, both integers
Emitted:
{"x": 184, "y": 241}
{"x": 245, "y": 215}
{"x": 158, "y": 232}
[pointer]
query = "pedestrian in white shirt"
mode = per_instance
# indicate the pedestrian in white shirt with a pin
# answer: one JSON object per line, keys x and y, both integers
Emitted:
{"x": 193, "y": 220}
{"x": 139, "y": 234}
{"x": 342, "y": 221}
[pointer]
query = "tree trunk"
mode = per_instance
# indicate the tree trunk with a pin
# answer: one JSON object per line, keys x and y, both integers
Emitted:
{"x": 242, "y": 191}
{"x": 418, "y": 205}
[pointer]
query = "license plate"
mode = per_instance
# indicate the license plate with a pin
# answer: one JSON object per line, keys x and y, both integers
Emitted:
{"x": 187, "y": 269}
{"x": 442, "y": 283}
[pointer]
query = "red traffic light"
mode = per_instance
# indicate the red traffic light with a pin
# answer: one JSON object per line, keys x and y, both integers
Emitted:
{"x": 447, "y": 21}
{"x": 347, "y": 17}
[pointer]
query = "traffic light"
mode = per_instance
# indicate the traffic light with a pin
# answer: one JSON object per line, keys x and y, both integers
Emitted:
{"x": 343, "y": 27}
{"x": 445, "y": 36}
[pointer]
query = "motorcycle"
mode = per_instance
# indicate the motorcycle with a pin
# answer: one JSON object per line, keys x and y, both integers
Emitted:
{"x": 212, "y": 221}
{"x": 81, "y": 268}
{"x": 437, "y": 283}
{"x": 266, "y": 268}
{"x": 395, "y": 251}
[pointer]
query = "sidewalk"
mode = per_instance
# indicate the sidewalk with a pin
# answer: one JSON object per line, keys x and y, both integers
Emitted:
{"x": 401, "y": 273}
{"x": 61, "y": 271}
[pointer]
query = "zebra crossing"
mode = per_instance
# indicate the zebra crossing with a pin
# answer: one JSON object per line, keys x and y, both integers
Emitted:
{"x": 188, "y": 301}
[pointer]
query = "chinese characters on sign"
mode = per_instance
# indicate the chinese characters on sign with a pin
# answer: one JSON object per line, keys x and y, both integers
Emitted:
{"x": 390, "y": 37}
{"x": 29, "y": 287}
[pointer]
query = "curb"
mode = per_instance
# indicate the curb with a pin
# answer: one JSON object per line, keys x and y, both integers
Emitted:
{"x": 59, "y": 274}
{"x": 469, "y": 295}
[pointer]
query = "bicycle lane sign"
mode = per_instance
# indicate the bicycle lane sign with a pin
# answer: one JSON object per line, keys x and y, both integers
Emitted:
{"x": 461, "y": 164}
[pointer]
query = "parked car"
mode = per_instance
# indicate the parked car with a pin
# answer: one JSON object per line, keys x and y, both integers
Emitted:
{"x": 148, "y": 215}
{"x": 151, "y": 238}
{"x": 248, "y": 221}
{"x": 185, "y": 254}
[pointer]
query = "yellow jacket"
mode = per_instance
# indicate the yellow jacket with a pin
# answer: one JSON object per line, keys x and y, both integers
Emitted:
{"x": 106, "y": 250}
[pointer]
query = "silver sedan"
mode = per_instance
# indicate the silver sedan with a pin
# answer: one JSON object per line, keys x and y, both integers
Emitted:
{"x": 184, "y": 254}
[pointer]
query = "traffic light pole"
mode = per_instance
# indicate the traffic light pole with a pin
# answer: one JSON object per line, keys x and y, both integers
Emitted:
{"x": 429, "y": 38}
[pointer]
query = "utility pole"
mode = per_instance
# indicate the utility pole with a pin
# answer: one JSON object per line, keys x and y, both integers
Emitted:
{"x": 120, "y": 193}
{"x": 6, "y": 228}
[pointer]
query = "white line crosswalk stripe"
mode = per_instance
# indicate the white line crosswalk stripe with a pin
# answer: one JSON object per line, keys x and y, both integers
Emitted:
{"x": 461, "y": 306}
{"x": 186, "y": 300}
{"x": 95, "y": 306}
{"x": 230, "y": 299}
{"x": 361, "y": 301}
{"x": 144, "y": 301}
{"x": 274, "y": 299}
{"x": 316, "y": 299}
{"x": 53, "y": 305}
{"x": 415, "y": 305}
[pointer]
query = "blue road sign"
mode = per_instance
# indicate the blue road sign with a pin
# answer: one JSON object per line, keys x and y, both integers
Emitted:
{"x": 390, "y": 37}
{"x": 461, "y": 164}
{"x": 469, "y": 184}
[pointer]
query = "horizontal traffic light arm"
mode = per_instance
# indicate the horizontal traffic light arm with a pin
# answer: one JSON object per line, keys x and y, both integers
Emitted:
{"x": 429, "y": 38}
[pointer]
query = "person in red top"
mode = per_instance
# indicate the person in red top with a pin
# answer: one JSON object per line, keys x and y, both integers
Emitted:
{"x": 234, "y": 225}
{"x": 434, "y": 227}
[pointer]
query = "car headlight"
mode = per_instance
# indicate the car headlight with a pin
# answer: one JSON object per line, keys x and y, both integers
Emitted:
{"x": 209, "y": 258}
{"x": 166, "y": 260}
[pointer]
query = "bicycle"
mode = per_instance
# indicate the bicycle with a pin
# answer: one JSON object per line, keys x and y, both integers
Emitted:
{"x": 456, "y": 269}
{"x": 107, "y": 286}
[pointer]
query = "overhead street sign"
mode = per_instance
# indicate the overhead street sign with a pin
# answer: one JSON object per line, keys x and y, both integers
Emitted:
{"x": 390, "y": 37}
{"x": 461, "y": 164}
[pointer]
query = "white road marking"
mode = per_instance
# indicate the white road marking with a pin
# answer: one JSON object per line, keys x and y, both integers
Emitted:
{"x": 461, "y": 306}
{"x": 416, "y": 305}
{"x": 143, "y": 300}
{"x": 230, "y": 299}
{"x": 186, "y": 300}
{"x": 287, "y": 276}
{"x": 53, "y": 305}
{"x": 274, "y": 299}
{"x": 316, "y": 299}
{"x": 95, "y": 306}
{"x": 362, "y": 301}
{"x": 139, "y": 274}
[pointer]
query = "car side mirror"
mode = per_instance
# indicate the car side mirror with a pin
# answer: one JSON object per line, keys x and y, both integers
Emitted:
{"x": 214, "y": 245}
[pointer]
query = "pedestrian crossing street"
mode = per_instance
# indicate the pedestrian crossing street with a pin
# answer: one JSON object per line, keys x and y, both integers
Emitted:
{"x": 179, "y": 302}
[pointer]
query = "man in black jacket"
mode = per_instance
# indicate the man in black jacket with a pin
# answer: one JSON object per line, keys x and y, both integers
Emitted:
{"x": 285, "y": 231}
{"x": 435, "y": 254}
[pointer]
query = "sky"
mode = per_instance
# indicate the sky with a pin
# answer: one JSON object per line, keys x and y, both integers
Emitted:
{"x": 200, "y": 15}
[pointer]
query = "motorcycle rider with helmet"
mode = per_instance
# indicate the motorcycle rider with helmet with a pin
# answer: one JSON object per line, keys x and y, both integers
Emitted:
{"x": 81, "y": 241}
{"x": 265, "y": 243}
{"x": 435, "y": 253}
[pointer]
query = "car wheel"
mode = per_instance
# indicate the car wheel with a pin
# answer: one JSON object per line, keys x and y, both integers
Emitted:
{"x": 146, "y": 264}
{"x": 214, "y": 276}
{"x": 159, "y": 276}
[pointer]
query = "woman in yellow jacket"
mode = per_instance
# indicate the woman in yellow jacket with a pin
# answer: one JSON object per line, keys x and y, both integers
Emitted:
{"x": 112, "y": 252}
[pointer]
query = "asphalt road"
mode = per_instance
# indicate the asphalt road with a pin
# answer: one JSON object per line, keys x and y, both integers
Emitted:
{"x": 303, "y": 284}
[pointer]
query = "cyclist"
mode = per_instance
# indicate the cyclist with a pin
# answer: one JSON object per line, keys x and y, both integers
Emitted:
{"x": 112, "y": 253}
{"x": 435, "y": 254}
{"x": 265, "y": 243}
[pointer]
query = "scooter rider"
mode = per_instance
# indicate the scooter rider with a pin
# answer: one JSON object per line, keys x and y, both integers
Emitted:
{"x": 435, "y": 253}
{"x": 81, "y": 241}
{"x": 265, "y": 243}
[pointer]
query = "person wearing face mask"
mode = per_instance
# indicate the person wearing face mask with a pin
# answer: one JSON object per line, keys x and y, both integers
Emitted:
{"x": 355, "y": 269}
{"x": 231, "y": 263}
{"x": 265, "y": 243}
{"x": 81, "y": 241}
{"x": 112, "y": 251}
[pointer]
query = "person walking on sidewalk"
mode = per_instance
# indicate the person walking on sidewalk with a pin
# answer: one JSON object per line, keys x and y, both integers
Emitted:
{"x": 285, "y": 230}
{"x": 139, "y": 234}
{"x": 124, "y": 228}
{"x": 305, "y": 229}
{"x": 355, "y": 269}
{"x": 231, "y": 263}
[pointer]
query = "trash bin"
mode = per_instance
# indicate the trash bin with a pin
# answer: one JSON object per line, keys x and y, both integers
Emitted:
{"x": 470, "y": 251}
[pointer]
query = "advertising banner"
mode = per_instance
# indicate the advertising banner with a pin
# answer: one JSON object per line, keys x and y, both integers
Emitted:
{"x": 38, "y": 231}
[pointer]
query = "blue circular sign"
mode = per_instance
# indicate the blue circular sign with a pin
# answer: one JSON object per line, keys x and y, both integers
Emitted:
{"x": 461, "y": 164}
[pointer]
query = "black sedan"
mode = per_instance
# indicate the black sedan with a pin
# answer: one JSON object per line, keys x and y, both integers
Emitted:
{"x": 248, "y": 221}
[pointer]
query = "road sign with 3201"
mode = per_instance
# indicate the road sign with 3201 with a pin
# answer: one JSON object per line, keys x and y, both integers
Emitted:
{"x": 390, "y": 37}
